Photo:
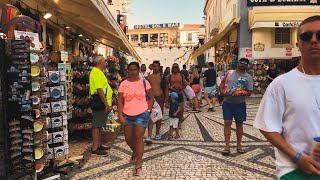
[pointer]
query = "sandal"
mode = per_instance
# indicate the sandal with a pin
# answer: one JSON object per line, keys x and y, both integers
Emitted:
{"x": 177, "y": 136}
{"x": 225, "y": 152}
{"x": 133, "y": 159}
{"x": 137, "y": 172}
{"x": 241, "y": 151}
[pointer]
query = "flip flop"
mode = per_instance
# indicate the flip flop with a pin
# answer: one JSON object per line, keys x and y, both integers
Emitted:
{"x": 136, "y": 173}
{"x": 225, "y": 152}
{"x": 133, "y": 159}
{"x": 241, "y": 151}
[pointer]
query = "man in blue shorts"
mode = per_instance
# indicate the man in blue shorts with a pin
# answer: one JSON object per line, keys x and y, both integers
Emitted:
{"x": 236, "y": 85}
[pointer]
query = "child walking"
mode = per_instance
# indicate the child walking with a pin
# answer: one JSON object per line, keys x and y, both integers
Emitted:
{"x": 173, "y": 112}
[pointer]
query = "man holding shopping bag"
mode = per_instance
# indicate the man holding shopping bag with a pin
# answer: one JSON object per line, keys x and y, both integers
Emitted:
{"x": 155, "y": 81}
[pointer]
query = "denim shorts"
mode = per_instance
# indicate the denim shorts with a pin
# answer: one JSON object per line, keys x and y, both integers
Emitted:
{"x": 139, "y": 120}
{"x": 211, "y": 91}
{"x": 236, "y": 111}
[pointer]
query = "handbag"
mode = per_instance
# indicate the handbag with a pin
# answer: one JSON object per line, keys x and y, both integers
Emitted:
{"x": 96, "y": 103}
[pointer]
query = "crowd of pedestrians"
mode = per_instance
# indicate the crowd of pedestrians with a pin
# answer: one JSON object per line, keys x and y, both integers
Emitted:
{"x": 290, "y": 121}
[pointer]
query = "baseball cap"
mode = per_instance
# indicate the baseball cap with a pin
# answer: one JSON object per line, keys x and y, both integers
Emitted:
{"x": 174, "y": 95}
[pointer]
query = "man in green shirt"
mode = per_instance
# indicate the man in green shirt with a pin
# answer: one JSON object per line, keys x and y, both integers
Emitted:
{"x": 99, "y": 85}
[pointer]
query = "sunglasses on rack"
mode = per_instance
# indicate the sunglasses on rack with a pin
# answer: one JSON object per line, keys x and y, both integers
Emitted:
{"x": 307, "y": 36}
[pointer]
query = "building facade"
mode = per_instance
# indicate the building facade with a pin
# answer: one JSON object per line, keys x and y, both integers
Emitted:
{"x": 265, "y": 32}
{"x": 169, "y": 42}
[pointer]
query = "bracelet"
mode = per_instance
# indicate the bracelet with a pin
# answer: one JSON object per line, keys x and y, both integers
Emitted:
{"x": 297, "y": 157}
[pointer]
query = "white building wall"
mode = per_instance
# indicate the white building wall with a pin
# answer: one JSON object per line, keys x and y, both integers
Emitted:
{"x": 115, "y": 8}
{"x": 183, "y": 37}
{"x": 166, "y": 56}
{"x": 265, "y": 36}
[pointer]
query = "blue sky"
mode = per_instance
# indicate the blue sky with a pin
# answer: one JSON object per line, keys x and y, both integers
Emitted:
{"x": 165, "y": 11}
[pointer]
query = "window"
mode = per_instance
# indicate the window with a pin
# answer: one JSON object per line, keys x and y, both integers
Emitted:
{"x": 144, "y": 39}
{"x": 189, "y": 37}
{"x": 282, "y": 36}
{"x": 154, "y": 39}
{"x": 134, "y": 39}
{"x": 163, "y": 38}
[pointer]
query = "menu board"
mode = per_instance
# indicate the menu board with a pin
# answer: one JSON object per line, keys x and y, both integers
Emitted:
{"x": 20, "y": 114}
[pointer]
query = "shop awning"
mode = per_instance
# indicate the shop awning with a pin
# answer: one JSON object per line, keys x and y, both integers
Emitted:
{"x": 92, "y": 17}
{"x": 279, "y": 17}
{"x": 212, "y": 41}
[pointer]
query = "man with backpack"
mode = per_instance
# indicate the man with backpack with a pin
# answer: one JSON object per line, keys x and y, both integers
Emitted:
{"x": 235, "y": 86}
{"x": 156, "y": 81}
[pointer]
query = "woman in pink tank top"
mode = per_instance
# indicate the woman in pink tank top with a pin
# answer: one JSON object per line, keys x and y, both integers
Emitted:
{"x": 134, "y": 112}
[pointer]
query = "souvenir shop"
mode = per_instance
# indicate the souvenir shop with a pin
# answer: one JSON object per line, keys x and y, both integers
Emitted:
{"x": 44, "y": 86}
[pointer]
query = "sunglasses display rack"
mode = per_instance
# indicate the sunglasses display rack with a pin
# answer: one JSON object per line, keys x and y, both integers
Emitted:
{"x": 82, "y": 113}
{"x": 258, "y": 71}
{"x": 114, "y": 79}
{"x": 2, "y": 114}
{"x": 20, "y": 115}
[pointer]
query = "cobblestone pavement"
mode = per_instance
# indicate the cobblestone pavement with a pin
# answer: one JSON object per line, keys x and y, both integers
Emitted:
{"x": 195, "y": 155}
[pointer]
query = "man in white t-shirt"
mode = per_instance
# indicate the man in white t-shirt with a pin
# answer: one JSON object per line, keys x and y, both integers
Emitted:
{"x": 289, "y": 113}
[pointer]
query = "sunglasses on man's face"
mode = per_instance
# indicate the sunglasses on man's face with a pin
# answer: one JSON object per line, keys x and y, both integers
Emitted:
{"x": 243, "y": 62}
{"x": 175, "y": 67}
{"x": 307, "y": 36}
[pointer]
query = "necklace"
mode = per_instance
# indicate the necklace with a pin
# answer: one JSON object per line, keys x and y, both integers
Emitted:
{"x": 314, "y": 94}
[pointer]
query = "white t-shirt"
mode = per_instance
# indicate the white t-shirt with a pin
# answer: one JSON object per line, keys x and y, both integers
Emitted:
{"x": 289, "y": 107}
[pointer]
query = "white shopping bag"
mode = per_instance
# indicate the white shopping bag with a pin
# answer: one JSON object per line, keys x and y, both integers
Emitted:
{"x": 156, "y": 113}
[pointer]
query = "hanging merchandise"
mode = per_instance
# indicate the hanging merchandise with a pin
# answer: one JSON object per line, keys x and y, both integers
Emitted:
{"x": 20, "y": 115}
{"x": 82, "y": 113}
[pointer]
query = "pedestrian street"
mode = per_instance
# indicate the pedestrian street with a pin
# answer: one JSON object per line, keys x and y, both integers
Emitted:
{"x": 195, "y": 155}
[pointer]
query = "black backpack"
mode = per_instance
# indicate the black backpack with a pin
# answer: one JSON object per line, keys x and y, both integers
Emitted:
{"x": 163, "y": 82}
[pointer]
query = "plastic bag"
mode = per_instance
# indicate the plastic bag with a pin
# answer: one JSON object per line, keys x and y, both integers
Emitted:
{"x": 156, "y": 113}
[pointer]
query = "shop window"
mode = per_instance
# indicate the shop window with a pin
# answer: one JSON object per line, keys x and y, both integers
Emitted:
{"x": 282, "y": 36}
{"x": 163, "y": 38}
{"x": 189, "y": 37}
{"x": 134, "y": 39}
{"x": 154, "y": 39}
{"x": 144, "y": 39}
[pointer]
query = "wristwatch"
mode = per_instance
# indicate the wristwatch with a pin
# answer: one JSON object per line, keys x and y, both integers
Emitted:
{"x": 149, "y": 111}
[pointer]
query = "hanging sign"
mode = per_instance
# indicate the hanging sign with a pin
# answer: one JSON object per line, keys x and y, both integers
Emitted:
{"x": 288, "y": 51}
{"x": 64, "y": 56}
{"x": 258, "y": 47}
{"x": 282, "y": 2}
{"x": 33, "y": 38}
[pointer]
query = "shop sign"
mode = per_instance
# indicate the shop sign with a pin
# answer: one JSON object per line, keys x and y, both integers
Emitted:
{"x": 32, "y": 37}
{"x": 259, "y": 47}
{"x": 282, "y": 2}
{"x": 277, "y": 24}
{"x": 231, "y": 14}
{"x": 288, "y": 51}
{"x": 64, "y": 56}
{"x": 287, "y": 24}
{"x": 164, "y": 25}
{"x": 248, "y": 52}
